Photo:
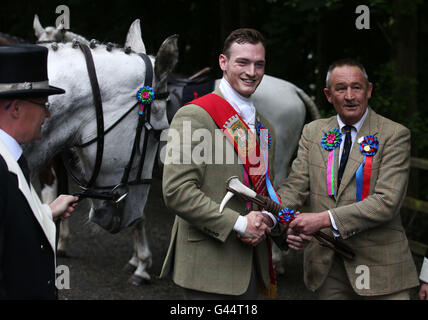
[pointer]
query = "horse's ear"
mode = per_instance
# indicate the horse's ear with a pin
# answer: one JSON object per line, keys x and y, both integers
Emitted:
{"x": 166, "y": 59}
{"x": 38, "y": 29}
{"x": 134, "y": 39}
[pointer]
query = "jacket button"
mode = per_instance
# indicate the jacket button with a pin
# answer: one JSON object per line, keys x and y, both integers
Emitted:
{"x": 42, "y": 247}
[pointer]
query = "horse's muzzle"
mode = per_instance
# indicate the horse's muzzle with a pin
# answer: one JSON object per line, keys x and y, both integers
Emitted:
{"x": 106, "y": 218}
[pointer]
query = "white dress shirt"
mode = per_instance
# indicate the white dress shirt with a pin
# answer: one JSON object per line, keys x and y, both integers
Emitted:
{"x": 246, "y": 110}
{"x": 11, "y": 144}
{"x": 243, "y": 106}
{"x": 354, "y": 132}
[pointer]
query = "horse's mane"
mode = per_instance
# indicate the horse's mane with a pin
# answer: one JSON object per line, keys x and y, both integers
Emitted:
{"x": 110, "y": 46}
{"x": 70, "y": 36}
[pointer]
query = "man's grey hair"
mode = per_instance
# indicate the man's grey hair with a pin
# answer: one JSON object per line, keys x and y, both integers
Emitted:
{"x": 345, "y": 62}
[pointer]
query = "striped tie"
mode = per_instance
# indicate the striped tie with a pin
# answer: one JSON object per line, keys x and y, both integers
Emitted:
{"x": 345, "y": 154}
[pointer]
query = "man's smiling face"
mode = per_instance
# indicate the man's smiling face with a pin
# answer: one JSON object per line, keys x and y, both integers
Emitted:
{"x": 244, "y": 68}
{"x": 349, "y": 92}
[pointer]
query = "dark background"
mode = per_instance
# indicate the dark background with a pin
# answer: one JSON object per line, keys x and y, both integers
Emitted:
{"x": 303, "y": 38}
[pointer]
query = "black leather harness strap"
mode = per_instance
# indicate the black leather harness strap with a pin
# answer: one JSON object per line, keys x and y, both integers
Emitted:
{"x": 148, "y": 127}
{"x": 83, "y": 145}
{"x": 113, "y": 192}
{"x": 143, "y": 122}
{"x": 98, "y": 111}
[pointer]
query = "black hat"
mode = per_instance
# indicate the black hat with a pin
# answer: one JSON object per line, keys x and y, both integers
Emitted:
{"x": 24, "y": 72}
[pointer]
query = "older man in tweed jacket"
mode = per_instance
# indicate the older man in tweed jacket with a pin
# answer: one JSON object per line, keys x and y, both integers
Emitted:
{"x": 356, "y": 179}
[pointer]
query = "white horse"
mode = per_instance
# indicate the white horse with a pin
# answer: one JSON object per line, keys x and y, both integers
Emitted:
{"x": 121, "y": 73}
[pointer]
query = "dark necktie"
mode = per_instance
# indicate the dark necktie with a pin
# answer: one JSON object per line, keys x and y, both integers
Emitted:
{"x": 24, "y": 167}
{"x": 345, "y": 153}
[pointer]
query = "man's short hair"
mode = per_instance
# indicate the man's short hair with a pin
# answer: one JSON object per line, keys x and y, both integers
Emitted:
{"x": 345, "y": 62}
{"x": 241, "y": 36}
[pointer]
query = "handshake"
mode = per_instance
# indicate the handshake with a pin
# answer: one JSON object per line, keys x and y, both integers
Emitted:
{"x": 259, "y": 225}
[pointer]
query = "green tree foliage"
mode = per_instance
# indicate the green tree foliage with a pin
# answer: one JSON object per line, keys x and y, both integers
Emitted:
{"x": 303, "y": 38}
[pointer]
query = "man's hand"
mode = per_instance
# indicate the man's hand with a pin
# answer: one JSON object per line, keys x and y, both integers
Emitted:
{"x": 63, "y": 206}
{"x": 309, "y": 223}
{"x": 297, "y": 241}
{"x": 423, "y": 292}
{"x": 257, "y": 228}
{"x": 267, "y": 220}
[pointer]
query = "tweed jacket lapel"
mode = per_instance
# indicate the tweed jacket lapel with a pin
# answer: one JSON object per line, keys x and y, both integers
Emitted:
{"x": 331, "y": 124}
{"x": 40, "y": 211}
{"x": 356, "y": 158}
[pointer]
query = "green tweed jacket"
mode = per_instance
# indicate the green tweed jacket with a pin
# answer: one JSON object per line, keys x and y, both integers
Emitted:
{"x": 372, "y": 227}
{"x": 204, "y": 253}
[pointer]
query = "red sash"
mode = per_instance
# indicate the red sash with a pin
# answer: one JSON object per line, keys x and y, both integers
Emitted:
{"x": 248, "y": 149}
{"x": 238, "y": 133}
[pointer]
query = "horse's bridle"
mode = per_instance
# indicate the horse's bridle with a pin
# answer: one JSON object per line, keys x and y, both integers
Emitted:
{"x": 116, "y": 193}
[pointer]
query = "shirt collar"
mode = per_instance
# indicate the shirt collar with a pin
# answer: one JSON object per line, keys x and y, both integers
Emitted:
{"x": 357, "y": 125}
{"x": 243, "y": 106}
{"x": 11, "y": 144}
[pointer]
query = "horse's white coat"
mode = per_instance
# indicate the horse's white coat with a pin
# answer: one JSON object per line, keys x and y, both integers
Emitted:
{"x": 73, "y": 122}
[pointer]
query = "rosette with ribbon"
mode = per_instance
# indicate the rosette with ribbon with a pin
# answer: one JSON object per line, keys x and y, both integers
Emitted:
{"x": 286, "y": 215}
{"x": 265, "y": 137}
{"x": 368, "y": 147}
{"x": 145, "y": 96}
{"x": 330, "y": 141}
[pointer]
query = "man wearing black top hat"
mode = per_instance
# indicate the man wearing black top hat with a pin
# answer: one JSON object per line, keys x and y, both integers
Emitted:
{"x": 27, "y": 229}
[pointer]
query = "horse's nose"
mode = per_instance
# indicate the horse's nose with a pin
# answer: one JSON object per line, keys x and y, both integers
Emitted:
{"x": 106, "y": 219}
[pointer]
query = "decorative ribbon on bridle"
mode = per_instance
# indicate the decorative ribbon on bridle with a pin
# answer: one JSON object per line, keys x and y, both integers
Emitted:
{"x": 330, "y": 141}
{"x": 368, "y": 147}
{"x": 145, "y": 96}
{"x": 285, "y": 215}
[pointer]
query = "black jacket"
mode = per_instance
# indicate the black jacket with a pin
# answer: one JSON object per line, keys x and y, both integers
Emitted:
{"x": 27, "y": 269}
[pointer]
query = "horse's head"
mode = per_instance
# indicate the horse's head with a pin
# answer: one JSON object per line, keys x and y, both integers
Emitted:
{"x": 121, "y": 72}
{"x": 165, "y": 61}
{"x": 112, "y": 215}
